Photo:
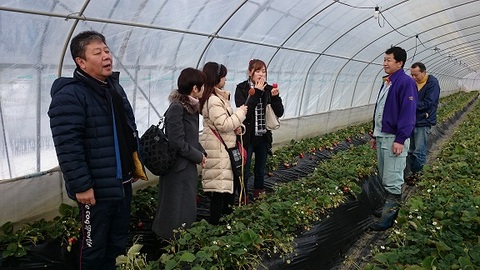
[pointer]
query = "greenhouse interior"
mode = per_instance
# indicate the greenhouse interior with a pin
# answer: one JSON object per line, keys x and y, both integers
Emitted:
{"x": 327, "y": 59}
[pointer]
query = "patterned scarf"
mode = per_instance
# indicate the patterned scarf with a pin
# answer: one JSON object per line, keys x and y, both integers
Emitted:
{"x": 260, "y": 128}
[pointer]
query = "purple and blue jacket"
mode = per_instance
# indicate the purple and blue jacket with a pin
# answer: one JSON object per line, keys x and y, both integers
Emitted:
{"x": 399, "y": 115}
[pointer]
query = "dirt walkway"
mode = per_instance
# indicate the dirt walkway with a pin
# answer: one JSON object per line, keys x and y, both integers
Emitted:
{"x": 360, "y": 252}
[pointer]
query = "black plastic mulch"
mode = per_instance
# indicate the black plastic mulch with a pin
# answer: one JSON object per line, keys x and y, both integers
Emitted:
{"x": 50, "y": 255}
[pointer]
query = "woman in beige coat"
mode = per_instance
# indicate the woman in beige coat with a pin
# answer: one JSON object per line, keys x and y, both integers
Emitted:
{"x": 218, "y": 180}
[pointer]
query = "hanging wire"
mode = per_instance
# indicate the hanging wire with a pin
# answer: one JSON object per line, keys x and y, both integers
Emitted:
{"x": 381, "y": 23}
{"x": 435, "y": 49}
{"x": 416, "y": 46}
{"x": 376, "y": 9}
{"x": 394, "y": 29}
{"x": 380, "y": 18}
{"x": 352, "y": 6}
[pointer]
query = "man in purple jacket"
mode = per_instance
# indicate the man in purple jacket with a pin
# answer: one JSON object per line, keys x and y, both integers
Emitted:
{"x": 394, "y": 120}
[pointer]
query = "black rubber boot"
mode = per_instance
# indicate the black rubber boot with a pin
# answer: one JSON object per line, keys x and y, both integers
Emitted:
{"x": 377, "y": 212}
{"x": 389, "y": 213}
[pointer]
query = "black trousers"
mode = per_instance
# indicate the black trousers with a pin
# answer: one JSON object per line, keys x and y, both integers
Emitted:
{"x": 220, "y": 205}
{"x": 104, "y": 232}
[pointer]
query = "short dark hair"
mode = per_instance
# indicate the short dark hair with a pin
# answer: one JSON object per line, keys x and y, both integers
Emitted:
{"x": 399, "y": 54}
{"x": 80, "y": 41}
{"x": 420, "y": 66}
{"x": 190, "y": 77}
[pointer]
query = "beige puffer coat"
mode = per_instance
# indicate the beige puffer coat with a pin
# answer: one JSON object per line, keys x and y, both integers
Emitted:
{"x": 217, "y": 175}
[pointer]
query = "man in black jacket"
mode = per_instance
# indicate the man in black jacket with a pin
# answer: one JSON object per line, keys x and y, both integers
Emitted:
{"x": 95, "y": 136}
{"x": 428, "y": 95}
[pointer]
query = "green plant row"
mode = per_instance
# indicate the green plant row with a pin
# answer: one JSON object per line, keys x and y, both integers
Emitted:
{"x": 288, "y": 155}
{"x": 265, "y": 229}
{"x": 439, "y": 227}
{"x": 448, "y": 106}
{"x": 64, "y": 228}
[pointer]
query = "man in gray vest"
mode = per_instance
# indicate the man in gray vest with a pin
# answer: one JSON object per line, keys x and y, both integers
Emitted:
{"x": 394, "y": 120}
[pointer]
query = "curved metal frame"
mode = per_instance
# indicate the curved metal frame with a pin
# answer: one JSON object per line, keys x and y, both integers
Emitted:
{"x": 392, "y": 31}
{"x": 79, "y": 16}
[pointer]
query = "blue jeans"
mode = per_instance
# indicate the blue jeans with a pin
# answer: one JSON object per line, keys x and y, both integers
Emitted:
{"x": 417, "y": 153}
{"x": 390, "y": 166}
{"x": 260, "y": 150}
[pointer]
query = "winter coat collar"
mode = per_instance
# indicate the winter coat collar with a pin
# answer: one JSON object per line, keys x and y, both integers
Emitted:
{"x": 223, "y": 93}
{"x": 184, "y": 100}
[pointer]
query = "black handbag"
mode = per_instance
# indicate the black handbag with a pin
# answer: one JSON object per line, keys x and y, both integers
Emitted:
{"x": 156, "y": 153}
{"x": 237, "y": 155}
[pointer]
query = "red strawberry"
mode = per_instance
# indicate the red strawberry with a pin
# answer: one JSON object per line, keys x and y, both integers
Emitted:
{"x": 274, "y": 85}
{"x": 72, "y": 240}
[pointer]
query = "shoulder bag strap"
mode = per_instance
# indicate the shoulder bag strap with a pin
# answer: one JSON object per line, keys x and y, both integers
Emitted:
{"x": 219, "y": 137}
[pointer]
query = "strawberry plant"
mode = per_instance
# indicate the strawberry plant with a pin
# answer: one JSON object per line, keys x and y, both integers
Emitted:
{"x": 66, "y": 227}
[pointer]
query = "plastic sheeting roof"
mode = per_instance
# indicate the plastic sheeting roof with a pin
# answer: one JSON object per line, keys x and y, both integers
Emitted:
{"x": 325, "y": 55}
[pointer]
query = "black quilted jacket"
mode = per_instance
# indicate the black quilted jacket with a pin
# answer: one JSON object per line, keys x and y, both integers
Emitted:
{"x": 82, "y": 130}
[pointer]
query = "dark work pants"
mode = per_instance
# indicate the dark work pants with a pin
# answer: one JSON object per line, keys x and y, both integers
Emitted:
{"x": 104, "y": 232}
{"x": 260, "y": 150}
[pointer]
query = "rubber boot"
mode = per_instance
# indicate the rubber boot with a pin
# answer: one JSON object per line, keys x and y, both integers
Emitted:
{"x": 377, "y": 212}
{"x": 389, "y": 213}
{"x": 257, "y": 193}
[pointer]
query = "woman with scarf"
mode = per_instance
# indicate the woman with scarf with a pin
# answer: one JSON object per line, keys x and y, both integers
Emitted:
{"x": 177, "y": 204}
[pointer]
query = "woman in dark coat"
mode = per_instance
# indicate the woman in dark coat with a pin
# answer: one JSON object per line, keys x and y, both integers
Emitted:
{"x": 177, "y": 206}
